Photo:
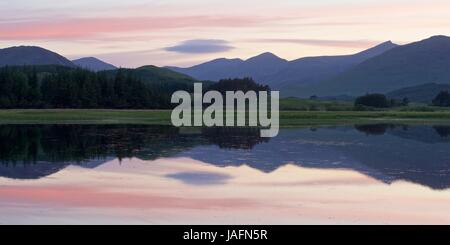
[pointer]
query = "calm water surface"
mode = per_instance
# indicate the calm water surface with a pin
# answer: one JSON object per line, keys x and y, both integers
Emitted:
{"x": 362, "y": 174}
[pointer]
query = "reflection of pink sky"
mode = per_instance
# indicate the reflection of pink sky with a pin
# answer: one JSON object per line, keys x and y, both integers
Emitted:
{"x": 139, "y": 191}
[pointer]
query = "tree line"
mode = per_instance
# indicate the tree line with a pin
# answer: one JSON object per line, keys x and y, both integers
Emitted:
{"x": 242, "y": 84}
{"x": 378, "y": 101}
{"x": 382, "y": 101}
{"x": 442, "y": 99}
{"x": 61, "y": 87}
{"x": 35, "y": 87}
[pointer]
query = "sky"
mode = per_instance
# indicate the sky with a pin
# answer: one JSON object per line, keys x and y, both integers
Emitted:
{"x": 182, "y": 33}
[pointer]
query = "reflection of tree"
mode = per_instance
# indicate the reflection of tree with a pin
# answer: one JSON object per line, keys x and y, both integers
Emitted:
{"x": 374, "y": 129}
{"x": 380, "y": 129}
{"x": 234, "y": 137}
{"x": 75, "y": 143}
{"x": 81, "y": 143}
{"x": 443, "y": 131}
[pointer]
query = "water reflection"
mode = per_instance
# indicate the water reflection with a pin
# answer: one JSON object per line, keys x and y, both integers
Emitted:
{"x": 200, "y": 178}
{"x": 423, "y": 133}
{"x": 374, "y": 129}
{"x": 386, "y": 152}
{"x": 35, "y": 151}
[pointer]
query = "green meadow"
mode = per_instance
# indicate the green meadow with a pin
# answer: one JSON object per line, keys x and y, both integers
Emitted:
{"x": 162, "y": 117}
{"x": 294, "y": 112}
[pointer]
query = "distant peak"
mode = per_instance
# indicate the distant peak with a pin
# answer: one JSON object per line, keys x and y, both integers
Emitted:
{"x": 380, "y": 48}
{"x": 223, "y": 61}
{"x": 434, "y": 40}
{"x": 265, "y": 56}
{"x": 438, "y": 38}
{"x": 387, "y": 44}
{"x": 87, "y": 58}
{"x": 148, "y": 67}
{"x": 226, "y": 59}
{"x": 27, "y": 47}
{"x": 94, "y": 64}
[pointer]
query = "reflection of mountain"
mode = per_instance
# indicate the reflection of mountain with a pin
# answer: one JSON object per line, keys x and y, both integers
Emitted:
{"x": 42, "y": 169}
{"x": 234, "y": 138}
{"x": 388, "y": 153}
{"x": 388, "y": 157}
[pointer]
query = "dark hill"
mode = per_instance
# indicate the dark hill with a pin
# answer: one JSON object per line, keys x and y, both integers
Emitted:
{"x": 30, "y": 55}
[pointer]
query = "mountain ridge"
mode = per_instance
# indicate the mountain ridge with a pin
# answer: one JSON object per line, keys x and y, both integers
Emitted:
{"x": 310, "y": 70}
{"x": 281, "y": 74}
{"x": 421, "y": 62}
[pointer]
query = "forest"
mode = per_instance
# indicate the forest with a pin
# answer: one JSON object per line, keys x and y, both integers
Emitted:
{"x": 61, "y": 87}
{"x": 47, "y": 87}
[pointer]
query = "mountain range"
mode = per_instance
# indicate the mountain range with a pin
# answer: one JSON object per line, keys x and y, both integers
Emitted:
{"x": 48, "y": 62}
{"x": 32, "y": 55}
{"x": 279, "y": 73}
{"x": 418, "y": 63}
{"x": 258, "y": 67}
{"x": 382, "y": 69}
{"x": 397, "y": 70}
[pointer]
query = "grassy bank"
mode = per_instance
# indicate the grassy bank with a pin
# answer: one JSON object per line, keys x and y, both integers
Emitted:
{"x": 288, "y": 118}
{"x": 296, "y": 104}
{"x": 299, "y": 118}
{"x": 84, "y": 117}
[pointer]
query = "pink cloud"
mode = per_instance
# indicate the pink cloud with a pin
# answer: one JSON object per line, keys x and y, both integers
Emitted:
{"x": 88, "y": 27}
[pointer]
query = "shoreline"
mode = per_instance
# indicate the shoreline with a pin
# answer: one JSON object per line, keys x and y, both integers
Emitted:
{"x": 162, "y": 117}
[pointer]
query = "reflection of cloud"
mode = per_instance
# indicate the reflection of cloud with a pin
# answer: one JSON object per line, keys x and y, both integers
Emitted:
{"x": 320, "y": 42}
{"x": 200, "y": 46}
{"x": 200, "y": 178}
